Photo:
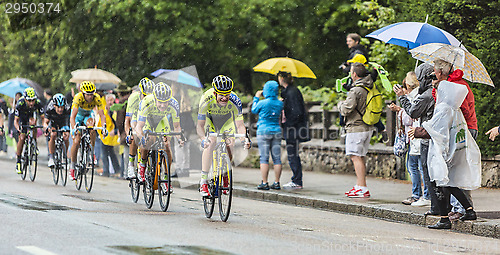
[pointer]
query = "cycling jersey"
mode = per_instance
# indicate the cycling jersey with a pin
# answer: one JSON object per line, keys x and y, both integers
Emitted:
{"x": 156, "y": 120}
{"x": 84, "y": 107}
{"x": 220, "y": 118}
{"x": 24, "y": 112}
{"x": 57, "y": 120}
{"x": 133, "y": 105}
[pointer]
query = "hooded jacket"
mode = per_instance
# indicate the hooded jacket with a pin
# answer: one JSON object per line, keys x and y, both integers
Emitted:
{"x": 269, "y": 110}
{"x": 423, "y": 106}
{"x": 354, "y": 104}
{"x": 468, "y": 106}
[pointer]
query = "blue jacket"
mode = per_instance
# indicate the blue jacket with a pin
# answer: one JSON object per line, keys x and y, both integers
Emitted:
{"x": 269, "y": 110}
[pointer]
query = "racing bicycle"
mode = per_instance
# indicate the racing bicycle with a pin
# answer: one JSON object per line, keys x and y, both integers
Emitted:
{"x": 84, "y": 169}
{"x": 29, "y": 159}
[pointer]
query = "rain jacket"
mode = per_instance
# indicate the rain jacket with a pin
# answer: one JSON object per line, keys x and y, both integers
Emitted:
{"x": 295, "y": 115}
{"x": 468, "y": 106}
{"x": 454, "y": 158}
{"x": 269, "y": 110}
{"x": 422, "y": 106}
{"x": 356, "y": 99}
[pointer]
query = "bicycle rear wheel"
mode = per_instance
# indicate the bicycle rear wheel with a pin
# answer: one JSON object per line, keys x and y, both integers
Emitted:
{"x": 64, "y": 164}
{"x": 225, "y": 187}
{"x": 24, "y": 161}
{"x": 135, "y": 187}
{"x": 149, "y": 191}
{"x": 164, "y": 184}
{"x": 89, "y": 168}
{"x": 209, "y": 202}
{"x": 33, "y": 164}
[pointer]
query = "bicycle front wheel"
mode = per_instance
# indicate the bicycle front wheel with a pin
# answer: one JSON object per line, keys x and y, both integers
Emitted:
{"x": 149, "y": 191}
{"x": 64, "y": 164}
{"x": 24, "y": 162}
{"x": 225, "y": 187}
{"x": 33, "y": 159}
{"x": 135, "y": 187}
{"x": 80, "y": 167}
{"x": 164, "y": 183}
{"x": 89, "y": 168}
{"x": 55, "y": 168}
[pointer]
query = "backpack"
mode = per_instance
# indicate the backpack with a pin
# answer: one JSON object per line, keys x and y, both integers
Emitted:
{"x": 374, "y": 106}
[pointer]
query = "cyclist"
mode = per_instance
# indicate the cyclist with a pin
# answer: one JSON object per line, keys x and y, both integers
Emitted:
{"x": 56, "y": 117}
{"x": 25, "y": 114}
{"x": 81, "y": 115}
{"x": 145, "y": 88}
{"x": 156, "y": 112}
{"x": 221, "y": 111}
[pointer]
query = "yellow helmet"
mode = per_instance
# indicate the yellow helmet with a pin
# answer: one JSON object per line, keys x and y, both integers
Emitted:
{"x": 87, "y": 87}
{"x": 29, "y": 94}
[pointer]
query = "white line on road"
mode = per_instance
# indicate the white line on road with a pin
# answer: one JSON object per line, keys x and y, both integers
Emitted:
{"x": 35, "y": 250}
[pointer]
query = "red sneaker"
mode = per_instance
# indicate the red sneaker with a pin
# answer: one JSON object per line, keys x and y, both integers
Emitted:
{"x": 142, "y": 171}
{"x": 351, "y": 190}
{"x": 72, "y": 174}
{"x": 204, "y": 190}
{"x": 359, "y": 193}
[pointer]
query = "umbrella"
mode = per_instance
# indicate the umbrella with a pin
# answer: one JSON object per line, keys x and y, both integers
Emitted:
{"x": 94, "y": 75}
{"x": 414, "y": 34}
{"x": 290, "y": 65}
{"x": 12, "y": 86}
{"x": 472, "y": 67}
{"x": 105, "y": 86}
{"x": 181, "y": 77}
{"x": 160, "y": 72}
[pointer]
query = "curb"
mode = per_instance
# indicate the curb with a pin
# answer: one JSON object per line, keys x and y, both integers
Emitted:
{"x": 480, "y": 227}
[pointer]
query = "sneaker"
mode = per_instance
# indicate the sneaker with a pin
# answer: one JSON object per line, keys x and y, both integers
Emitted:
{"x": 72, "y": 174}
{"x": 359, "y": 193}
{"x": 18, "y": 168}
{"x": 409, "y": 200}
{"x": 51, "y": 162}
{"x": 351, "y": 190}
{"x": 422, "y": 202}
{"x": 204, "y": 190}
{"x": 263, "y": 186}
{"x": 142, "y": 172}
{"x": 131, "y": 172}
{"x": 275, "y": 185}
{"x": 292, "y": 185}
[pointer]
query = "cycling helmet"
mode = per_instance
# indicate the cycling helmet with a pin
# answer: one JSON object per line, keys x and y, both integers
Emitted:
{"x": 162, "y": 92}
{"x": 222, "y": 84}
{"x": 29, "y": 94}
{"x": 59, "y": 99}
{"x": 146, "y": 85}
{"x": 87, "y": 87}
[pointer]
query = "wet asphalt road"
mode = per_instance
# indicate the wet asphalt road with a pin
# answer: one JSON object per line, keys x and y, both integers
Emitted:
{"x": 41, "y": 218}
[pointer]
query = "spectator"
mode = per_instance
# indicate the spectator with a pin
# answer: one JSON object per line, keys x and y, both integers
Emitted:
{"x": 422, "y": 108}
{"x": 352, "y": 41}
{"x": 269, "y": 132}
{"x": 358, "y": 133}
{"x": 120, "y": 108}
{"x": 182, "y": 153}
{"x": 454, "y": 157}
{"x": 4, "y": 112}
{"x": 413, "y": 163}
{"x": 109, "y": 141}
{"x": 294, "y": 124}
{"x": 493, "y": 132}
{"x": 12, "y": 130}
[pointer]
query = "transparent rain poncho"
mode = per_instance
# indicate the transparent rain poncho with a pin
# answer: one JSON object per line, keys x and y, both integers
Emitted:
{"x": 454, "y": 158}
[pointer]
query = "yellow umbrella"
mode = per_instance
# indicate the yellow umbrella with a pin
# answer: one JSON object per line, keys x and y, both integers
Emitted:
{"x": 472, "y": 67}
{"x": 94, "y": 75}
{"x": 290, "y": 65}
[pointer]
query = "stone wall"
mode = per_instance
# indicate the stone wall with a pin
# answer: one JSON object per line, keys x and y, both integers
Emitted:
{"x": 329, "y": 157}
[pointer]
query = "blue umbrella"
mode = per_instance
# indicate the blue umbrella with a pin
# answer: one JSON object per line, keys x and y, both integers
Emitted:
{"x": 414, "y": 34}
{"x": 13, "y": 86}
{"x": 160, "y": 71}
{"x": 181, "y": 77}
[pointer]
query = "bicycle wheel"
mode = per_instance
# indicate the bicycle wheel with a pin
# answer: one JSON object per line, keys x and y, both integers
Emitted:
{"x": 135, "y": 187}
{"x": 225, "y": 187}
{"x": 89, "y": 168}
{"x": 24, "y": 161}
{"x": 33, "y": 164}
{"x": 63, "y": 164}
{"x": 164, "y": 184}
{"x": 209, "y": 202}
{"x": 55, "y": 168}
{"x": 80, "y": 167}
{"x": 149, "y": 191}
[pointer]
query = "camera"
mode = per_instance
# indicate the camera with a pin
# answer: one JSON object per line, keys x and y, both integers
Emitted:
{"x": 431, "y": 76}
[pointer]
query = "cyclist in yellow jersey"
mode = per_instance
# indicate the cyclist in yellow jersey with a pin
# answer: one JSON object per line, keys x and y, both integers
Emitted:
{"x": 220, "y": 110}
{"x": 81, "y": 115}
{"x": 156, "y": 112}
{"x": 145, "y": 88}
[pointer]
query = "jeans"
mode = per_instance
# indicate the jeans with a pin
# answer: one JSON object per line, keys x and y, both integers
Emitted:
{"x": 271, "y": 143}
{"x": 108, "y": 152}
{"x": 292, "y": 149}
{"x": 414, "y": 166}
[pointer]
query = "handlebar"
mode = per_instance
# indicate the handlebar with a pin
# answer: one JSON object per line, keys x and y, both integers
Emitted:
{"x": 89, "y": 128}
{"x": 31, "y": 126}
{"x": 183, "y": 138}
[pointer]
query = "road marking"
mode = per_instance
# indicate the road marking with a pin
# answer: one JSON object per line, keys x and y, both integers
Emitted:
{"x": 35, "y": 250}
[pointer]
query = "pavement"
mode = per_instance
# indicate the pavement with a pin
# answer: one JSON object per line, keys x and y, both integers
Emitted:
{"x": 327, "y": 192}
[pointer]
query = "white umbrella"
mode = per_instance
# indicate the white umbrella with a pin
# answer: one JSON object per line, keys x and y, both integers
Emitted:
{"x": 472, "y": 67}
{"x": 94, "y": 75}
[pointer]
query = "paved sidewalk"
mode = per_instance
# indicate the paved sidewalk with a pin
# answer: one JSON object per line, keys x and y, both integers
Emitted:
{"x": 326, "y": 191}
